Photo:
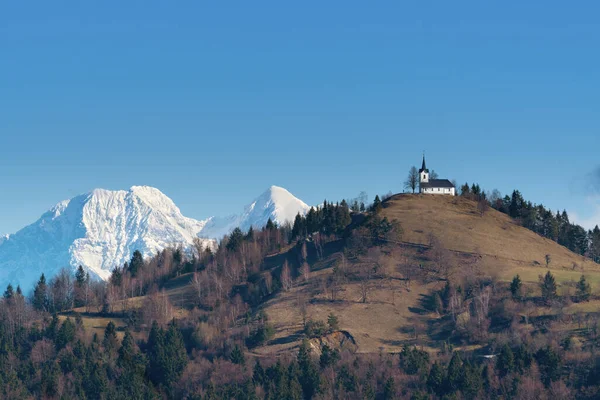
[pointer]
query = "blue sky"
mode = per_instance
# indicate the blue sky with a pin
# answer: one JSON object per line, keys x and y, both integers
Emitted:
{"x": 214, "y": 103}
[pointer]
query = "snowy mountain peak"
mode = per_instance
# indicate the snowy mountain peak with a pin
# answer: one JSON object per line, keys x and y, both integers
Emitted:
{"x": 275, "y": 203}
{"x": 98, "y": 230}
{"x": 101, "y": 229}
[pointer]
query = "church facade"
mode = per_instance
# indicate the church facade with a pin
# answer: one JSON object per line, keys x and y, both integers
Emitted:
{"x": 434, "y": 186}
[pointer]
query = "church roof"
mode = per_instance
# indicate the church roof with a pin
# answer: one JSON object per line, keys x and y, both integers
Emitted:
{"x": 437, "y": 183}
{"x": 423, "y": 167}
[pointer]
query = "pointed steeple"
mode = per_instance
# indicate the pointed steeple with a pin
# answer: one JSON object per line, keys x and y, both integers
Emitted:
{"x": 423, "y": 167}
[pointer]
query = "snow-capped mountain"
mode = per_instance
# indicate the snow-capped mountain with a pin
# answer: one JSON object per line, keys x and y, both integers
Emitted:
{"x": 101, "y": 229}
{"x": 98, "y": 230}
{"x": 276, "y": 203}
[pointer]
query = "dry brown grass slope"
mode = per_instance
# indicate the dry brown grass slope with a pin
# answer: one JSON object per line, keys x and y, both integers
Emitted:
{"x": 493, "y": 242}
{"x": 505, "y": 247}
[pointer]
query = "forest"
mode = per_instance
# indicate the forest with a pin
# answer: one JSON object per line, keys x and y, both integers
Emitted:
{"x": 203, "y": 348}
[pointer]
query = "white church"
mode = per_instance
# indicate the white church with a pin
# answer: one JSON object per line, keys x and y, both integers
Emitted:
{"x": 434, "y": 186}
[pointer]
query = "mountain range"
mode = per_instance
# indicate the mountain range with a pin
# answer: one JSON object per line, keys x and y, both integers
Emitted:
{"x": 101, "y": 229}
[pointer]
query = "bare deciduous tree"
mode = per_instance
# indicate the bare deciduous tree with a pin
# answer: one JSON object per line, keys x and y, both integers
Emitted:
{"x": 412, "y": 181}
{"x": 286, "y": 277}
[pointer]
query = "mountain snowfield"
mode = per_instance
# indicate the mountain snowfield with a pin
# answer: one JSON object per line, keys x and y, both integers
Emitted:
{"x": 101, "y": 229}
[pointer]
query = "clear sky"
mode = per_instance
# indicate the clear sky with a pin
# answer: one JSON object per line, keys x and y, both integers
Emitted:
{"x": 214, "y": 103}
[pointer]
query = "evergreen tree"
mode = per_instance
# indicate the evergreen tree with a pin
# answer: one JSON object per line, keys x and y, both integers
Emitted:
{"x": 65, "y": 335}
{"x": 270, "y": 225}
{"x": 516, "y": 288}
{"x": 435, "y": 381}
{"x": 548, "y": 286}
{"x": 584, "y": 290}
{"x": 333, "y": 322}
{"x": 389, "y": 390}
{"x": 235, "y": 240}
{"x": 116, "y": 277}
{"x": 455, "y": 373}
{"x": 110, "y": 337}
{"x": 299, "y": 228}
{"x": 309, "y": 375}
{"x": 250, "y": 234}
{"x": 376, "y": 207}
{"x": 329, "y": 357}
{"x": 258, "y": 374}
{"x": 9, "y": 292}
{"x": 80, "y": 277}
{"x": 505, "y": 363}
{"x": 40, "y": 295}
{"x": 137, "y": 263}
{"x": 166, "y": 355}
{"x": 237, "y": 356}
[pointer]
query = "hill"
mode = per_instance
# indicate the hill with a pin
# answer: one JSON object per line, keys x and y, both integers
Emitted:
{"x": 490, "y": 245}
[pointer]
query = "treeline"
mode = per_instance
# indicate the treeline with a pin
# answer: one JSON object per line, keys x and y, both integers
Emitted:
{"x": 536, "y": 217}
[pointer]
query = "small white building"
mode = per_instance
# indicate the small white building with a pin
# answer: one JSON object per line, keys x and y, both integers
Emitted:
{"x": 434, "y": 186}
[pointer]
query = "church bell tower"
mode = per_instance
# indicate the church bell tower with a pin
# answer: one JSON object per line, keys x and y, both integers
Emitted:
{"x": 424, "y": 172}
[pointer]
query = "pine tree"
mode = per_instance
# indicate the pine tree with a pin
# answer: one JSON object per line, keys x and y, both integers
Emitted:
{"x": 235, "y": 240}
{"x": 584, "y": 290}
{"x": 270, "y": 225}
{"x": 333, "y": 322}
{"x": 505, "y": 363}
{"x": 516, "y": 288}
{"x": 80, "y": 277}
{"x": 110, "y": 337}
{"x": 258, "y": 374}
{"x": 250, "y": 234}
{"x": 455, "y": 374}
{"x": 237, "y": 356}
{"x": 389, "y": 390}
{"x": 9, "y": 292}
{"x": 376, "y": 207}
{"x": 65, "y": 335}
{"x": 40, "y": 296}
{"x": 435, "y": 381}
{"x": 548, "y": 286}
{"x": 309, "y": 375}
{"x": 299, "y": 228}
{"x": 137, "y": 263}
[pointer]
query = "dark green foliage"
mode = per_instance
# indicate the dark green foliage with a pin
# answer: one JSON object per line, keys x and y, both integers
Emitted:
{"x": 549, "y": 363}
{"x": 389, "y": 390}
{"x": 309, "y": 374}
{"x": 455, "y": 374}
{"x": 65, "y": 335}
{"x": 315, "y": 329}
{"x": 329, "y": 357}
{"x": 110, "y": 337}
{"x": 137, "y": 263}
{"x": 584, "y": 291}
{"x": 270, "y": 225}
{"x": 40, "y": 295}
{"x": 167, "y": 356}
{"x": 436, "y": 378}
{"x": 414, "y": 361}
{"x": 376, "y": 207}
{"x": 237, "y": 356}
{"x": 516, "y": 288}
{"x": 9, "y": 292}
{"x": 235, "y": 240}
{"x": 333, "y": 322}
{"x": 505, "y": 363}
{"x": 548, "y": 286}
